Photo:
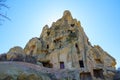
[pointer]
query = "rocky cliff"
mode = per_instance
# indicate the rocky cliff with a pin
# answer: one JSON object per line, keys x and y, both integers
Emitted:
{"x": 65, "y": 46}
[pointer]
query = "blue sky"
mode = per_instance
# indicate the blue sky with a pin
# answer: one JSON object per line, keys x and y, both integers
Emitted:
{"x": 99, "y": 18}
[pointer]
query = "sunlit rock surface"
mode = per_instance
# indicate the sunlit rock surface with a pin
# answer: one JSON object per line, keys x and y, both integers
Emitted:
{"x": 64, "y": 47}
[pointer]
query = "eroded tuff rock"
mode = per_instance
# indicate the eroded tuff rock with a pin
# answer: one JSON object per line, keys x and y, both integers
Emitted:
{"x": 16, "y": 53}
{"x": 65, "y": 45}
{"x": 65, "y": 49}
{"x": 22, "y": 71}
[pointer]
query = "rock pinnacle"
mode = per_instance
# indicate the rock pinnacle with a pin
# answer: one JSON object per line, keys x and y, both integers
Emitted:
{"x": 67, "y": 15}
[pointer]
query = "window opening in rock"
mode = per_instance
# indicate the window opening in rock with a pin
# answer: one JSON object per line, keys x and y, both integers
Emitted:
{"x": 81, "y": 63}
{"x": 57, "y": 40}
{"x": 98, "y": 73}
{"x": 62, "y": 66}
{"x": 72, "y": 25}
{"x": 54, "y": 41}
{"x": 70, "y": 31}
{"x": 48, "y": 33}
{"x": 85, "y": 76}
{"x": 77, "y": 48}
{"x": 47, "y": 46}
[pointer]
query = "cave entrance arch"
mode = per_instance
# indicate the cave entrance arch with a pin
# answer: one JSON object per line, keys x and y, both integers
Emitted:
{"x": 47, "y": 64}
{"x": 98, "y": 73}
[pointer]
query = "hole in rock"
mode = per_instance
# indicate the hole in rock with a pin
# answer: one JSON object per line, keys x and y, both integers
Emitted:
{"x": 98, "y": 73}
{"x": 81, "y": 63}
{"x": 62, "y": 66}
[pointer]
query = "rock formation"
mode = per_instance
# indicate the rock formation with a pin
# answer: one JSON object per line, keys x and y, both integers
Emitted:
{"x": 65, "y": 45}
{"x": 15, "y": 53}
{"x": 22, "y": 71}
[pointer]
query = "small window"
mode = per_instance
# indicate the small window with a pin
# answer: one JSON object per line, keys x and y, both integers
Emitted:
{"x": 47, "y": 46}
{"x": 70, "y": 31}
{"x": 54, "y": 41}
{"x": 81, "y": 63}
{"x": 77, "y": 48}
{"x": 98, "y": 73}
{"x": 72, "y": 25}
{"x": 76, "y": 45}
{"x": 62, "y": 65}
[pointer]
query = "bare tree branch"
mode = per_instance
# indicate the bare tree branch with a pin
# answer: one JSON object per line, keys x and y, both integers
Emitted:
{"x": 2, "y": 15}
{"x": 5, "y": 17}
{"x": 3, "y": 5}
{"x": 2, "y": 0}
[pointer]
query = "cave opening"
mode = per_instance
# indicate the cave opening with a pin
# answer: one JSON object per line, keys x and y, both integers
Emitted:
{"x": 47, "y": 64}
{"x": 81, "y": 63}
{"x": 98, "y": 73}
{"x": 48, "y": 33}
{"x": 72, "y": 25}
{"x": 47, "y": 46}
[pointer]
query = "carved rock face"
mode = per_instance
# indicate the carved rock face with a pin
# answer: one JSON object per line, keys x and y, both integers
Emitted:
{"x": 66, "y": 44}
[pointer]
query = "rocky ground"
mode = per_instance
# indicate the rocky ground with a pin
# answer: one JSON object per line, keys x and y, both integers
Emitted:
{"x": 28, "y": 71}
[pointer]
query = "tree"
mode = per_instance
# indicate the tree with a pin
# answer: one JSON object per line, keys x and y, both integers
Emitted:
{"x": 2, "y": 14}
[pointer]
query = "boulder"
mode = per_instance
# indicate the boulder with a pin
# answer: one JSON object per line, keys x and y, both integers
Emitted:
{"x": 33, "y": 47}
{"x": 22, "y": 71}
{"x": 16, "y": 54}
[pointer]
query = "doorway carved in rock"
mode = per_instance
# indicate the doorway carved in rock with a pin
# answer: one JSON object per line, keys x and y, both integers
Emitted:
{"x": 62, "y": 66}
